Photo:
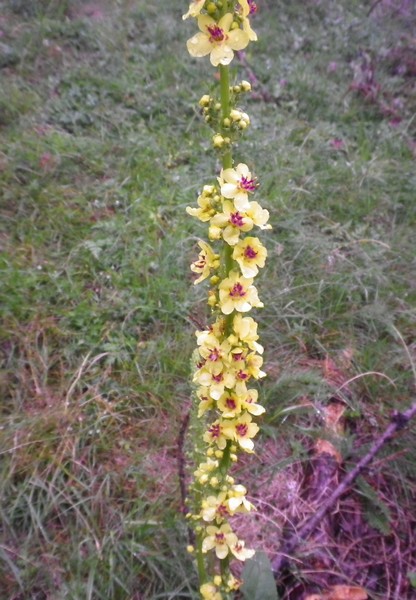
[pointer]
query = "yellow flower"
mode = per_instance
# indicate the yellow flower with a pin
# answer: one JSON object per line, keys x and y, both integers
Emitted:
{"x": 205, "y": 401}
{"x": 207, "y": 261}
{"x": 250, "y": 403}
{"x": 246, "y": 10}
{"x": 214, "y": 352}
{"x": 209, "y": 592}
{"x": 240, "y": 551}
{"x": 238, "y": 293}
{"x": 217, "y": 39}
{"x": 236, "y": 184}
{"x": 230, "y": 405}
{"x": 221, "y": 539}
{"x": 237, "y": 500}
{"x": 233, "y": 583}
{"x": 246, "y": 330}
{"x": 258, "y": 215}
{"x": 250, "y": 255}
{"x": 216, "y": 382}
{"x": 195, "y": 8}
{"x": 215, "y": 507}
{"x": 232, "y": 221}
{"x": 253, "y": 362}
{"x": 241, "y": 430}
{"x": 205, "y": 210}
{"x": 215, "y": 435}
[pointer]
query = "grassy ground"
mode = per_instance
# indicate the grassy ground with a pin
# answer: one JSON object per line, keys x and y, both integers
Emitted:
{"x": 101, "y": 150}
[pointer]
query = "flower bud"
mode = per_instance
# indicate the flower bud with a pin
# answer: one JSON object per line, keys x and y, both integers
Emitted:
{"x": 246, "y": 86}
{"x": 212, "y": 301}
{"x": 211, "y": 8}
{"x": 190, "y": 549}
{"x": 217, "y": 579}
{"x": 205, "y": 100}
{"x": 218, "y": 140}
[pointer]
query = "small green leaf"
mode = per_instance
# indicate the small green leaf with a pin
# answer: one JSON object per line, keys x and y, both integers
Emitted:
{"x": 411, "y": 575}
{"x": 259, "y": 583}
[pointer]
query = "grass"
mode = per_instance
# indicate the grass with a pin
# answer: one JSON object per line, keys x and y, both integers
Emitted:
{"x": 101, "y": 151}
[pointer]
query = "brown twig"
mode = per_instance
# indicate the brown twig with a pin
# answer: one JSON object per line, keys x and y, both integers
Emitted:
{"x": 398, "y": 422}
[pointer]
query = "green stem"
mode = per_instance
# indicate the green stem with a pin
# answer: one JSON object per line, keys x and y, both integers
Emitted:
{"x": 227, "y": 163}
{"x": 227, "y": 159}
{"x": 200, "y": 560}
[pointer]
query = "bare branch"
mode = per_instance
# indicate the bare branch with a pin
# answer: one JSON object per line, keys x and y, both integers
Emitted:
{"x": 398, "y": 422}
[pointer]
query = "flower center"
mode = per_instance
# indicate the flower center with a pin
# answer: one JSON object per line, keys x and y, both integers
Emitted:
{"x": 214, "y": 355}
{"x": 216, "y": 34}
{"x": 220, "y": 538}
{"x": 222, "y": 510}
{"x": 242, "y": 375}
{"x": 248, "y": 185}
{"x": 241, "y": 429}
{"x": 218, "y": 377}
{"x": 250, "y": 253}
{"x": 214, "y": 430}
{"x": 237, "y": 290}
{"x": 231, "y": 403}
{"x": 253, "y": 6}
{"x": 236, "y": 219}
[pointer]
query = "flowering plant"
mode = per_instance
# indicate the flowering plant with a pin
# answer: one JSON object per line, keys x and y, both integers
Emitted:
{"x": 229, "y": 356}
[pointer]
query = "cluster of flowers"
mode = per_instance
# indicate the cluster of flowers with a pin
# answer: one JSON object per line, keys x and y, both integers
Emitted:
{"x": 221, "y": 33}
{"x": 229, "y": 355}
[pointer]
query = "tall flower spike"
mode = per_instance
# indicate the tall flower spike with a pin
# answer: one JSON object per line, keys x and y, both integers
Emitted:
{"x": 228, "y": 356}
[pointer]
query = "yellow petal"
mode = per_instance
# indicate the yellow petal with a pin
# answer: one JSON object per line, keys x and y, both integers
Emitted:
{"x": 199, "y": 45}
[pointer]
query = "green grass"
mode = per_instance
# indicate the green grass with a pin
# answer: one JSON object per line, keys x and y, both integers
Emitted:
{"x": 101, "y": 150}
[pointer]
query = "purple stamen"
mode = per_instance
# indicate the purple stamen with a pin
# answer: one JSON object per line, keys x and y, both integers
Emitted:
{"x": 237, "y": 290}
{"x": 236, "y": 219}
{"x": 216, "y": 33}
{"x": 250, "y": 253}
{"x": 248, "y": 185}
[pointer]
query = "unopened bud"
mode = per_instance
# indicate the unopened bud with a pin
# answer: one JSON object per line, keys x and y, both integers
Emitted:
{"x": 218, "y": 141}
{"x": 205, "y": 100}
